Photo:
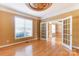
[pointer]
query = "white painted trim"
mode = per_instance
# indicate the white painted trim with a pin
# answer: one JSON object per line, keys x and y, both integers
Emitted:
{"x": 67, "y": 49}
{"x": 71, "y": 32}
{"x": 6, "y": 9}
{"x": 65, "y": 10}
{"x": 13, "y": 44}
{"x": 67, "y": 46}
{"x": 75, "y": 47}
{"x": 62, "y": 31}
{"x": 47, "y": 31}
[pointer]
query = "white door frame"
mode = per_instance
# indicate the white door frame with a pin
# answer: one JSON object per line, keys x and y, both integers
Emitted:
{"x": 69, "y": 47}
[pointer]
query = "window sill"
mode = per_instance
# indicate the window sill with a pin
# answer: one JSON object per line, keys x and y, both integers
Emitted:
{"x": 23, "y": 37}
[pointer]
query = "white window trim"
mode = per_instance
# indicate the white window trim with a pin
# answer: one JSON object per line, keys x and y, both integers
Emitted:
{"x": 24, "y": 30}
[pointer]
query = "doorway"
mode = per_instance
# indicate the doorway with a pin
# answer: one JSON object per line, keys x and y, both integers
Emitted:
{"x": 67, "y": 32}
{"x": 53, "y": 33}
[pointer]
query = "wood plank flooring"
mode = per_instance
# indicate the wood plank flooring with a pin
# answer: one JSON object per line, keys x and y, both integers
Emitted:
{"x": 38, "y": 48}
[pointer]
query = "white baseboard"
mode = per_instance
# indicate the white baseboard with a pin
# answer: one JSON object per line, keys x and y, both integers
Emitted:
{"x": 75, "y": 47}
{"x": 68, "y": 50}
{"x": 35, "y": 39}
{"x": 13, "y": 44}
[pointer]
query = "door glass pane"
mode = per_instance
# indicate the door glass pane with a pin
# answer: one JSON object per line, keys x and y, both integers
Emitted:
{"x": 43, "y": 30}
{"x": 66, "y": 31}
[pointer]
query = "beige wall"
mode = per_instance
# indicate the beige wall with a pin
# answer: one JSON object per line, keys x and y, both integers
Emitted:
{"x": 36, "y": 29}
{"x": 7, "y": 32}
{"x": 75, "y": 31}
{"x": 58, "y": 30}
{"x": 6, "y": 28}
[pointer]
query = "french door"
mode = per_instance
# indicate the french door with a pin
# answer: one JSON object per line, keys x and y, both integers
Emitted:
{"x": 44, "y": 31}
{"x": 67, "y": 32}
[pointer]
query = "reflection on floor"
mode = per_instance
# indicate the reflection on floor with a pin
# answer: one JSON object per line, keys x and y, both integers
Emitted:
{"x": 38, "y": 48}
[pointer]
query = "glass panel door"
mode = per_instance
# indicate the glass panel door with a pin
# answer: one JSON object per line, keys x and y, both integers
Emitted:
{"x": 44, "y": 31}
{"x": 67, "y": 32}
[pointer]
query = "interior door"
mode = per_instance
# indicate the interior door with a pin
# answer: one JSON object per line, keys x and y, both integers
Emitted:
{"x": 44, "y": 31}
{"x": 67, "y": 32}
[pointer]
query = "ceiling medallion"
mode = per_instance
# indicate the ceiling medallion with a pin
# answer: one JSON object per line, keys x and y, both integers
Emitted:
{"x": 39, "y": 6}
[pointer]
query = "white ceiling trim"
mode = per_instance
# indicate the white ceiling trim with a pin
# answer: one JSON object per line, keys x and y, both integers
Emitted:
{"x": 2, "y": 8}
{"x": 54, "y": 10}
{"x": 72, "y": 8}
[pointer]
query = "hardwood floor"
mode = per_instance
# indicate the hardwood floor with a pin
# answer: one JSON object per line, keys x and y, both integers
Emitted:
{"x": 38, "y": 48}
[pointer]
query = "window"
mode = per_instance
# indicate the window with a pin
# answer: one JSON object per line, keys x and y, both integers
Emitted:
{"x": 23, "y": 27}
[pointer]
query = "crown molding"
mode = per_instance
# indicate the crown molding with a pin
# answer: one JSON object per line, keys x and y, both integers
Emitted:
{"x": 3, "y": 8}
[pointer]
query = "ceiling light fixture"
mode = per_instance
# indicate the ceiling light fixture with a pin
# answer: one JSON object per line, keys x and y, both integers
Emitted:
{"x": 39, "y": 6}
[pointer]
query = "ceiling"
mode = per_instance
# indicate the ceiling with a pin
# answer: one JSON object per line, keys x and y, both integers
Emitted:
{"x": 55, "y": 9}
